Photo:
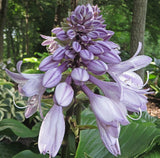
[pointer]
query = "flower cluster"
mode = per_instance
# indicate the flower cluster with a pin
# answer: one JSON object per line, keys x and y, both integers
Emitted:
{"x": 85, "y": 48}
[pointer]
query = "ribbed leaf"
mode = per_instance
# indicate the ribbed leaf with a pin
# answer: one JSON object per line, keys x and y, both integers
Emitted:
{"x": 29, "y": 154}
{"x": 9, "y": 150}
{"x": 135, "y": 139}
{"x": 17, "y": 128}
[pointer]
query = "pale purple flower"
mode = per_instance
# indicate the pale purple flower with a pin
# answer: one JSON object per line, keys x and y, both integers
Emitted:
{"x": 71, "y": 33}
{"x": 63, "y": 94}
{"x": 86, "y": 55}
{"x": 29, "y": 85}
{"x": 84, "y": 47}
{"x": 52, "y": 131}
{"x": 132, "y": 64}
{"x": 97, "y": 67}
{"x": 106, "y": 110}
{"x": 53, "y": 76}
{"x": 109, "y": 135}
{"x": 50, "y": 42}
{"x": 61, "y": 35}
{"x": 48, "y": 63}
{"x": 59, "y": 54}
{"x": 133, "y": 99}
{"x": 79, "y": 75}
{"x": 76, "y": 46}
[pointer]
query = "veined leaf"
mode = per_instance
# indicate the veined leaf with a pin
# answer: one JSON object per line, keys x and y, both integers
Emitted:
{"x": 135, "y": 138}
{"x": 29, "y": 154}
{"x": 17, "y": 128}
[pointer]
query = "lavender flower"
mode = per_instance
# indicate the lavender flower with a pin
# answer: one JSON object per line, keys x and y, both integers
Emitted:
{"x": 84, "y": 47}
{"x": 29, "y": 85}
{"x": 52, "y": 131}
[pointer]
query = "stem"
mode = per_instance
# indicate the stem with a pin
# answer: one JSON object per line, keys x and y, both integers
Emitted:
{"x": 69, "y": 113}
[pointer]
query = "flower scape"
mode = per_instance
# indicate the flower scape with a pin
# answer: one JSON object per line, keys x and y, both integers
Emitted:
{"x": 83, "y": 46}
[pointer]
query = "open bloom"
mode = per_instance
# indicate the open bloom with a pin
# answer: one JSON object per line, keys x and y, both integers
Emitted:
{"x": 105, "y": 109}
{"x": 29, "y": 85}
{"x": 84, "y": 47}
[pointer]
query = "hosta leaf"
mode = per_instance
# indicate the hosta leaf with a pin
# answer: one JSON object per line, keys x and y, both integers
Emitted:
{"x": 17, "y": 128}
{"x": 20, "y": 116}
{"x": 30, "y": 154}
{"x": 135, "y": 139}
{"x": 9, "y": 150}
{"x": 1, "y": 114}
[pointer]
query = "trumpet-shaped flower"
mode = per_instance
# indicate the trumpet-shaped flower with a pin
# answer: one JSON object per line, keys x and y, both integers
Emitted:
{"x": 105, "y": 109}
{"x": 109, "y": 135}
{"x": 29, "y": 85}
{"x": 52, "y": 131}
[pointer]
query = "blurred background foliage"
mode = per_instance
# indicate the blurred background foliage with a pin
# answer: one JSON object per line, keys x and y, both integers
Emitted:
{"x": 24, "y": 22}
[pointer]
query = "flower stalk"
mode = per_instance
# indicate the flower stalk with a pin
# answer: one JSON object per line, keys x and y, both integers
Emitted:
{"x": 84, "y": 47}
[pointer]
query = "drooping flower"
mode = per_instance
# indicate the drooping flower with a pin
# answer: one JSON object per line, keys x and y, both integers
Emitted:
{"x": 29, "y": 85}
{"x": 105, "y": 109}
{"x": 109, "y": 135}
{"x": 84, "y": 47}
{"x": 52, "y": 131}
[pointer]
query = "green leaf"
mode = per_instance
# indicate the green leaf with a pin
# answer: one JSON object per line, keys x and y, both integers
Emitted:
{"x": 154, "y": 154}
{"x": 17, "y": 128}
{"x": 29, "y": 154}
{"x": 9, "y": 150}
{"x": 135, "y": 138}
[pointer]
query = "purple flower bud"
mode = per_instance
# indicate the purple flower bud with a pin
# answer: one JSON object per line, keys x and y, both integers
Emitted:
{"x": 95, "y": 49}
{"x": 61, "y": 35}
{"x": 87, "y": 24}
{"x": 85, "y": 38}
{"x": 78, "y": 10}
{"x": 80, "y": 27}
{"x": 63, "y": 94}
{"x": 104, "y": 44}
{"x": 52, "y": 131}
{"x": 56, "y": 30}
{"x": 49, "y": 40}
{"x": 59, "y": 54}
{"x": 97, "y": 67}
{"x": 52, "y": 77}
{"x": 103, "y": 33}
{"x": 93, "y": 34}
{"x": 71, "y": 33}
{"x": 96, "y": 23}
{"x": 79, "y": 75}
{"x": 110, "y": 58}
{"x": 83, "y": 10}
{"x": 86, "y": 55}
{"x": 76, "y": 46}
{"x": 109, "y": 35}
{"x": 48, "y": 63}
{"x": 70, "y": 54}
{"x": 73, "y": 19}
{"x": 79, "y": 18}
{"x": 88, "y": 16}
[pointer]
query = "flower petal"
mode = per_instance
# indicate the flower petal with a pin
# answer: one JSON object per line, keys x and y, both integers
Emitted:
{"x": 52, "y": 77}
{"x": 63, "y": 94}
{"x": 52, "y": 131}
